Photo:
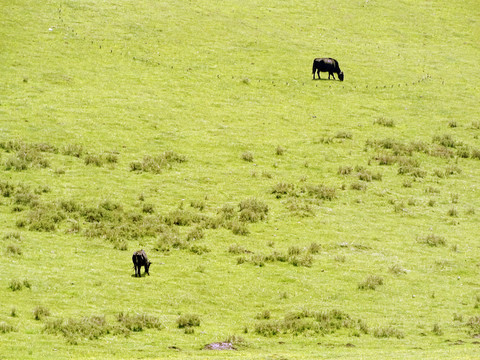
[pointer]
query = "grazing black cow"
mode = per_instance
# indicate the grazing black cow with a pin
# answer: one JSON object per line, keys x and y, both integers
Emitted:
{"x": 140, "y": 259}
{"x": 326, "y": 65}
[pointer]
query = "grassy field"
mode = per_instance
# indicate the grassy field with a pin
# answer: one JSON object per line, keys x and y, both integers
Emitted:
{"x": 291, "y": 218}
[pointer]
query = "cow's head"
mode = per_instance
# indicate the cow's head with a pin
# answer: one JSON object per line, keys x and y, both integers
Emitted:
{"x": 147, "y": 266}
{"x": 340, "y": 75}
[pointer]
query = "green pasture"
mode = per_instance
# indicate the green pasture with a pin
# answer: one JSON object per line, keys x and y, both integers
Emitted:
{"x": 291, "y": 218}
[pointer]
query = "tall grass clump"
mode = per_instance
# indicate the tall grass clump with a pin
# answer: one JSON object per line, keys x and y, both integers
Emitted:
{"x": 309, "y": 321}
{"x": 433, "y": 240}
{"x": 388, "y": 332}
{"x": 138, "y": 322}
{"x": 371, "y": 282}
{"x": 6, "y": 328}
{"x": 253, "y": 210}
{"x": 73, "y": 330}
{"x": 247, "y": 156}
{"x": 40, "y": 312}
{"x": 156, "y": 164}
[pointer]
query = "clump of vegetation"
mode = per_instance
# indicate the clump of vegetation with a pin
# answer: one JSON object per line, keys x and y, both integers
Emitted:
{"x": 344, "y": 135}
{"x": 75, "y": 150}
{"x": 40, "y": 312}
{"x": 445, "y": 140}
{"x": 139, "y": 322}
{"x": 384, "y": 122}
{"x": 388, "y": 332}
{"x": 16, "y": 285}
{"x": 280, "y": 150}
{"x": 26, "y": 155}
{"x": 397, "y": 269}
{"x": 188, "y": 322}
{"x": 253, "y": 210}
{"x": 294, "y": 256}
{"x": 247, "y": 156}
{"x": 320, "y": 322}
{"x": 14, "y": 250}
{"x": 474, "y": 324}
{"x": 264, "y": 315}
{"x": 73, "y": 330}
{"x": 437, "y": 330}
{"x": 322, "y": 192}
{"x": 6, "y": 328}
{"x": 433, "y": 240}
{"x": 371, "y": 282}
{"x": 156, "y": 164}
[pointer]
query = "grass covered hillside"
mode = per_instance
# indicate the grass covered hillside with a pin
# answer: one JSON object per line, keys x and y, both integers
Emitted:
{"x": 285, "y": 217}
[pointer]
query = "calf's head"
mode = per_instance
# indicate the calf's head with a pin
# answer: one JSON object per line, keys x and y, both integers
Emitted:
{"x": 147, "y": 266}
{"x": 340, "y": 75}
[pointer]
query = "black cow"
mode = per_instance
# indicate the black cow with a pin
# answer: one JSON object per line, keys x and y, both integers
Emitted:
{"x": 326, "y": 65}
{"x": 140, "y": 259}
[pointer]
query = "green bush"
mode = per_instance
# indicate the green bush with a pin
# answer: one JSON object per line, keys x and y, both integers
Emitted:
{"x": 253, "y": 210}
{"x": 371, "y": 282}
{"x": 388, "y": 332}
{"x": 188, "y": 320}
{"x": 40, "y": 312}
{"x": 6, "y": 328}
{"x": 139, "y": 322}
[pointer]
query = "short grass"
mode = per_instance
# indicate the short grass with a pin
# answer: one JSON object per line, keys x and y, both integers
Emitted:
{"x": 295, "y": 218}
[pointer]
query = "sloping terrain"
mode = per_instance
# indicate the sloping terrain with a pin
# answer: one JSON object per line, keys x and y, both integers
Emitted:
{"x": 285, "y": 217}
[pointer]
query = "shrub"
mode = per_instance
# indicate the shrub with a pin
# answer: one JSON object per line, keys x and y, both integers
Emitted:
{"x": 386, "y": 159}
{"x": 270, "y": 328}
{"x": 227, "y": 211}
{"x": 148, "y": 208}
{"x": 264, "y": 315}
{"x": 15, "y": 285}
{"x": 453, "y": 212}
{"x": 304, "y": 260}
{"x": 283, "y": 189}
{"x": 397, "y": 269}
{"x": 344, "y": 170}
{"x": 13, "y": 250}
{"x": 474, "y": 324}
{"x": 6, "y": 328}
{"x": 434, "y": 240}
{"x": 188, "y": 320}
{"x": 237, "y": 249}
{"x": 358, "y": 186}
{"x": 280, "y": 150}
{"x": 92, "y": 159}
{"x": 139, "y": 322}
{"x": 322, "y": 192}
{"x": 371, "y": 282}
{"x": 40, "y": 312}
{"x": 388, "y": 332}
{"x": 445, "y": 140}
{"x": 75, "y": 150}
{"x": 253, "y": 210}
{"x": 294, "y": 250}
{"x": 475, "y": 154}
{"x": 199, "y": 249}
{"x": 198, "y": 204}
{"x": 247, "y": 156}
{"x": 90, "y": 328}
{"x": 384, "y": 122}
{"x": 314, "y": 248}
{"x": 437, "y": 330}
{"x": 344, "y": 135}
{"x": 155, "y": 164}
